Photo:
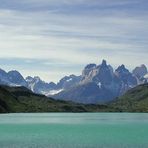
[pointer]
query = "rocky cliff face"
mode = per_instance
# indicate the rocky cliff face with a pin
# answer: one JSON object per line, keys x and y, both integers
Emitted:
{"x": 35, "y": 84}
{"x": 68, "y": 82}
{"x": 16, "y": 78}
{"x": 97, "y": 84}
{"x": 12, "y": 78}
{"x": 100, "y": 84}
{"x": 38, "y": 86}
{"x": 103, "y": 76}
{"x": 140, "y": 71}
{"x": 128, "y": 80}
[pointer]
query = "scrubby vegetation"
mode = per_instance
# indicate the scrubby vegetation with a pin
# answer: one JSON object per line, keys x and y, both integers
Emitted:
{"x": 20, "y": 99}
{"x": 135, "y": 100}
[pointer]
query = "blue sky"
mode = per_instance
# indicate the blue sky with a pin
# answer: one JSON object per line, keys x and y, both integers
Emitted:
{"x": 54, "y": 38}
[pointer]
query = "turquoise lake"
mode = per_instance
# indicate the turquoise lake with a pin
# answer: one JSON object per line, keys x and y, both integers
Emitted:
{"x": 74, "y": 130}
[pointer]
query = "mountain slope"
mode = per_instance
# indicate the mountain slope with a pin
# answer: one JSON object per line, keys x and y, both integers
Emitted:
{"x": 86, "y": 93}
{"x": 38, "y": 86}
{"x": 8, "y": 102}
{"x": 135, "y": 100}
{"x": 97, "y": 84}
{"x": 100, "y": 84}
{"x": 20, "y": 99}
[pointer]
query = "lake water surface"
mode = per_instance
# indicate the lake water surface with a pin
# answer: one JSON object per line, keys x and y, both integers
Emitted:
{"x": 74, "y": 130}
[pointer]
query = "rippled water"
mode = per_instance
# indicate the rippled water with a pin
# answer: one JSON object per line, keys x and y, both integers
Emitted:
{"x": 74, "y": 130}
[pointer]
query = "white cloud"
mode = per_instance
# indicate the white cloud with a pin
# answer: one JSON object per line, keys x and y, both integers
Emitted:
{"x": 73, "y": 38}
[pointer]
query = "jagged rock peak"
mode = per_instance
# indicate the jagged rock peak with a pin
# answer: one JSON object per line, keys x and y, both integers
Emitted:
{"x": 2, "y": 72}
{"x": 104, "y": 63}
{"x": 29, "y": 78}
{"x": 144, "y": 68}
{"x": 122, "y": 68}
{"x": 90, "y": 66}
{"x": 140, "y": 71}
{"x": 37, "y": 78}
{"x": 14, "y": 72}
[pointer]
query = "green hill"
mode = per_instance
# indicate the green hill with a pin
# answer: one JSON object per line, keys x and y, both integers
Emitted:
{"x": 20, "y": 99}
{"x": 135, "y": 100}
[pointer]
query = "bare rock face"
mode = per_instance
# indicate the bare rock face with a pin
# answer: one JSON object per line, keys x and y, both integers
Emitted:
{"x": 128, "y": 80}
{"x": 38, "y": 86}
{"x": 97, "y": 84}
{"x": 3, "y": 77}
{"x": 16, "y": 78}
{"x": 88, "y": 73}
{"x": 127, "y": 77}
{"x": 89, "y": 93}
{"x": 140, "y": 71}
{"x": 12, "y": 78}
{"x": 102, "y": 73}
{"x": 100, "y": 84}
{"x": 68, "y": 82}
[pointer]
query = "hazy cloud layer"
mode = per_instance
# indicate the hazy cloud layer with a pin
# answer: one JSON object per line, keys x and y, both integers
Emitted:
{"x": 52, "y": 38}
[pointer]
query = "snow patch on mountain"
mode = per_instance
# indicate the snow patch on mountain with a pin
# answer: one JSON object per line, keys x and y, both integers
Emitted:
{"x": 53, "y": 92}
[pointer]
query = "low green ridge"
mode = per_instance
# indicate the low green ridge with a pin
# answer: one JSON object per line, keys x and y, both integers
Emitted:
{"x": 20, "y": 99}
{"x": 135, "y": 100}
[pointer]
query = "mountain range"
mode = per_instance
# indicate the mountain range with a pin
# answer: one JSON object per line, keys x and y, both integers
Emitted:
{"x": 97, "y": 84}
{"x": 21, "y": 99}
